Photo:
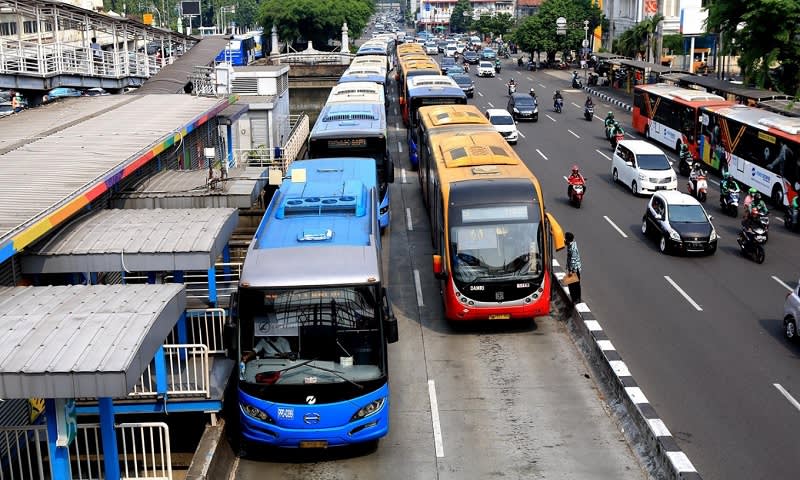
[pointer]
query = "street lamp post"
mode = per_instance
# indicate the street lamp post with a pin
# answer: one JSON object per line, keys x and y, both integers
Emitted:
{"x": 585, "y": 52}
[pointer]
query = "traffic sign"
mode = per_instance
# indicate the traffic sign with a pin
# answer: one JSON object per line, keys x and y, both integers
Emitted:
{"x": 427, "y": 7}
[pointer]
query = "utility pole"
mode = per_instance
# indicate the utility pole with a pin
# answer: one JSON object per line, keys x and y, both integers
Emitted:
{"x": 611, "y": 26}
{"x": 659, "y": 33}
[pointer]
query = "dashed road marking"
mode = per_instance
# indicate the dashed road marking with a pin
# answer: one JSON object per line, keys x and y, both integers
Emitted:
{"x": 683, "y": 293}
{"x": 521, "y": 134}
{"x": 576, "y": 105}
{"x": 540, "y": 153}
{"x": 603, "y": 154}
{"x": 543, "y": 85}
{"x": 418, "y": 288}
{"x": 437, "y": 427}
{"x": 530, "y": 79}
{"x": 782, "y": 283}
{"x": 400, "y": 147}
{"x": 619, "y": 230}
{"x": 490, "y": 104}
{"x": 409, "y": 225}
{"x": 403, "y": 175}
{"x": 548, "y": 116}
{"x": 479, "y": 93}
{"x": 573, "y": 133}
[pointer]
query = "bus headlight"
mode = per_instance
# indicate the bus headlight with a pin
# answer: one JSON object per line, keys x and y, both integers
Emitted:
{"x": 371, "y": 408}
{"x": 256, "y": 413}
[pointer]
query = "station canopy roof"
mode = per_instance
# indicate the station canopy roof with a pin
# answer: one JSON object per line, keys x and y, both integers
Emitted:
{"x": 158, "y": 240}
{"x": 80, "y": 341}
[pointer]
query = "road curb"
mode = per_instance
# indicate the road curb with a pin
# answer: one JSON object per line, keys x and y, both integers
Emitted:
{"x": 660, "y": 445}
{"x": 608, "y": 98}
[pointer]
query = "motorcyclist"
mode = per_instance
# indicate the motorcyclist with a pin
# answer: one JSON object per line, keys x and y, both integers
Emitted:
{"x": 589, "y": 103}
{"x": 466, "y": 67}
{"x": 532, "y": 92}
{"x": 575, "y": 78}
{"x": 519, "y": 61}
{"x": 609, "y": 123}
{"x": 556, "y": 97}
{"x": 727, "y": 184}
{"x": 512, "y": 85}
{"x": 696, "y": 171}
{"x": 575, "y": 177}
{"x": 685, "y": 154}
{"x": 754, "y": 204}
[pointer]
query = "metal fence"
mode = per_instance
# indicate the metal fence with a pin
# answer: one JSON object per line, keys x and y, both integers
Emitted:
{"x": 264, "y": 157}
{"x": 187, "y": 370}
{"x": 144, "y": 452}
{"x": 205, "y": 326}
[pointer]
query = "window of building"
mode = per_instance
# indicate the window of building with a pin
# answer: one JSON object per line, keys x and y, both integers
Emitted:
{"x": 30, "y": 26}
{"x": 8, "y": 28}
{"x": 671, "y": 8}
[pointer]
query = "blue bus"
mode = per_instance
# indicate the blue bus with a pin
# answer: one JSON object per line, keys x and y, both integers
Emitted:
{"x": 240, "y": 51}
{"x": 364, "y": 73}
{"x": 314, "y": 319}
{"x": 359, "y": 130}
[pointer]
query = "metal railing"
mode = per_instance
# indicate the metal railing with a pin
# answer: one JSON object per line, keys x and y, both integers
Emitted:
{"x": 144, "y": 452}
{"x": 205, "y": 326}
{"x": 188, "y": 373}
{"x": 196, "y": 282}
{"x": 264, "y": 157}
{"x": 297, "y": 138}
{"x": 308, "y": 58}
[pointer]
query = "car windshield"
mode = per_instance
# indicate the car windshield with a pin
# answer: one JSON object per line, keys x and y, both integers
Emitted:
{"x": 486, "y": 65}
{"x": 494, "y": 252}
{"x": 653, "y": 162}
{"x": 687, "y": 214}
{"x": 462, "y": 80}
{"x": 501, "y": 120}
{"x": 524, "y": 101}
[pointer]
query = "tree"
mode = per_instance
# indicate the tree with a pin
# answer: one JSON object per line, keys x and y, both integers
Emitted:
{"x": 317, "y": 20}
{"x": 638, "y": 40}
{"x": 767, "y": 37}
{"x": 458, "y": 22}
{"x": 537, "y": 33}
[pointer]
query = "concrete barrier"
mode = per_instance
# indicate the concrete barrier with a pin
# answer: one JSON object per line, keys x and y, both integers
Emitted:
{"x": 214, "y": 458}
{"x": 647, "y": 433}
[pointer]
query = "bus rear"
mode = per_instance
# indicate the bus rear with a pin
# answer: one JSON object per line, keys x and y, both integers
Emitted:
{"x": 314, "y": 319}
{"x": 426, "y": 90}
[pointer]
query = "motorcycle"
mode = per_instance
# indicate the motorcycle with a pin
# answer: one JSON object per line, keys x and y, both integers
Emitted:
{"x": 685, "y": 163}
{"x": 616, "y": 138}
{"x": 609, "y": 128}
{"x": 588, "y": 112}
{"x": 576, "y": 82}
{"x": 512, "y": 89}
{"x": 791, "y": 218}
{"x": 751, "y": 243}
{"x": 497, "y": 67}
{"x": 729, "y": 202}
{"x": 559, "y": 104}
{"x": 575, "y": 190}
{"x": 698, "y": 186}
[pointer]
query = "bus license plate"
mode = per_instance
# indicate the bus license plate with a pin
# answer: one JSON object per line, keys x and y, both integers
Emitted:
{"x": 314, "y": 444}
{"x": 500, "y": 316}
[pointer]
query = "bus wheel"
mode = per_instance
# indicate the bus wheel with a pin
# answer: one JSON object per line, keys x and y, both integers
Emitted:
{"x": 678, "y": 147}
{"x": 777, "y": 196}
{"x": 647, "y": 133}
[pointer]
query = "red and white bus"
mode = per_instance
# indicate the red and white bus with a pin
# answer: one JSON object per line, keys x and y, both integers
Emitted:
{"x": 759, "y": 148}
{"x": 669, "y": 114}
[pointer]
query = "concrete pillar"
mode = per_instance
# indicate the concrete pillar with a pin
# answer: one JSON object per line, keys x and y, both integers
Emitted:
{"x": 275, "y": 50}
{"x": 345, "y": 39}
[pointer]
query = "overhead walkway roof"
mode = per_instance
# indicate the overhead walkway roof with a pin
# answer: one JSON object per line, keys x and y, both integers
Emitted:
{"x": 136, "y": 240}
{"x": 174, "y": 77}
{"x": 82, "y": 341}
{"x": 51, "y": 176}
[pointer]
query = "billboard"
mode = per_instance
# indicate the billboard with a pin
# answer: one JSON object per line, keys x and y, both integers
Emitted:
{"x": 693, "y": 18}
{"x": 190, "y": 7}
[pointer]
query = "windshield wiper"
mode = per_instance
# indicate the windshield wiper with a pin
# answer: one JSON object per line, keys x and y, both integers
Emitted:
{"x": 308, "y": 363}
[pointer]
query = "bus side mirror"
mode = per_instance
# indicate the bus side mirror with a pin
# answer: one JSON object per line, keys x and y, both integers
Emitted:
{"x": 229, "y": 329}
{"x": 438, "y": 269}
{"x": 557, "y": 232}
{"x": 389, "y": 320}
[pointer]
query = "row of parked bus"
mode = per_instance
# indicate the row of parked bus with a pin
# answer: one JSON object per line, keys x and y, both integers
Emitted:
{"x": 757, "y": 147}
{"x": 314, "y": 317}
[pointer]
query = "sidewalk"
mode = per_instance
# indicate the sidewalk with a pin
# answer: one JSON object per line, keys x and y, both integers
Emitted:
{"x": 614, "y": 96}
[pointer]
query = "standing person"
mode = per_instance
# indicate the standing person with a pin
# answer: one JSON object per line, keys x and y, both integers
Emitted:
{"x": 97, "y": 54}
{"x": 573, "y": 266}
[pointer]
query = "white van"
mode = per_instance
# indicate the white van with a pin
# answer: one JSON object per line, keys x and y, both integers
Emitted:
{"x": 642, "y": 167}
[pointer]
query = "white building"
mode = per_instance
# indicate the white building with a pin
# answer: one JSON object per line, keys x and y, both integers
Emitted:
{"x": 437, "y": 12}
{"x": 627, "y": 13}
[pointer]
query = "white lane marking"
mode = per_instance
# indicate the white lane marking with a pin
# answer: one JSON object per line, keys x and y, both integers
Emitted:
{"x": 548, "y": 116}
{"x": 684, "y": 294}
{"x": 396, "y": 124}
{"x": 629, "y": 135}
{"x": 418, "y": 287}
{"x": 543, "y": 85}
{"x": 490, "y": 104}
{"x": 479, "y": 93}
{"x": 521, "y": 134}
{"x": 409, "y": 225}
{"x": 782, "y": 283}
{"x": 403, "y": 175}
{"x": 437, "y": 427}
{"x": 788, "y": 395}
{"x": 597, "y": 117}
{"x": 576, "y": 105}
{"x": 499, "y": 77}
{"x": 714, "y": 182}
{"x": 619, "y": 230}
{"x": 400, "y": 147}
{"x": 530, "y": 79}
{"x": 564, "y": 177}
{"x": 573, "y": 133}
{"x": 540, "y": 153}
{"x": 779, "y": 218}
{"x": 603, "y": 154}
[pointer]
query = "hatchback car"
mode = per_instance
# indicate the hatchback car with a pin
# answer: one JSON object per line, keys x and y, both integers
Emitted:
{"x": 465, "y": 82}
{"x": 488, "y": 54}
{"x": 431, "y": 48}
{"x": 643, "y": 167}
{"x": 680, "y": 223}
{"x": 486, "y": 69}
{"x": 791, "y": 313}
{"x": 504, "y": 124}
{"x": 522, "y": 106}
{"x": 62, "y": 92}
{"x": 471, "y": 57}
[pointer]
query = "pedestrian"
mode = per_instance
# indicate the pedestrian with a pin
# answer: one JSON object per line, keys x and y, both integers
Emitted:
{"x": 573, "y": 267}
{"x": 97, "y": 54}
{"x": 16, "y": 105}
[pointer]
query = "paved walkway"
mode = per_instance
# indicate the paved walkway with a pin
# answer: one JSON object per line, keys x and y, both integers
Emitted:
{"x": 614, "y": 96}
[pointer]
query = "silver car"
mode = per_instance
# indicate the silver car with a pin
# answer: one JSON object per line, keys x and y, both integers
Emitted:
{"x": 791, "y": 312}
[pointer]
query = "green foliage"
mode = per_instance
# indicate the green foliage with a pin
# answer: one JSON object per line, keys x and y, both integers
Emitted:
{"x": 769, "y": 38}
{"x": 537, "y": 33}
{"x": 315, "y": 20}
{"x": 639, "y": 39}
{"x": 458, "y": 22}
{"x": 673, "y": 43}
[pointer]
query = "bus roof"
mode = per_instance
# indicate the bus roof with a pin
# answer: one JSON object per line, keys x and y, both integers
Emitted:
{"x": 431, "y": 81}
{"x": 405, "y": 48}
{"x": 787, "y": 127}
{"x": 372, "y": 48}
{"x": 369, "y": 60}
{"x": 363, "y": 77}
{"x": 350, "y": 119}
{"x": 476, "y": 150}
{"x": 365, "y": 70}
{"x": 444, "y": 115}
{"x": 684, "y": 95}
{"x": 430, "y": 86}
{"x": 321, "y": 231}
{"x": 352, "y": 88}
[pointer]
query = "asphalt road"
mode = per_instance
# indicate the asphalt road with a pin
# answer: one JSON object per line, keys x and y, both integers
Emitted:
{"x": 513, "y": 401}
{"x": 715, "y": 371}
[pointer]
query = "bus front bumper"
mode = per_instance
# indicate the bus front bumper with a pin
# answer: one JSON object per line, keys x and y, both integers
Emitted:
{"x": 455, "y": 310}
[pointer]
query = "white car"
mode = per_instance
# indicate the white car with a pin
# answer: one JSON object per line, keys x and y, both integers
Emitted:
{"x": 791, "y": 313}
{"x": 486, "y": 69}
{"x": 431, "y": 48}
{"x": 642, "y": 167}
{"x": 450, "y": 50}
{"x": 460, "y": 46}
{"x": 504, "y": 123}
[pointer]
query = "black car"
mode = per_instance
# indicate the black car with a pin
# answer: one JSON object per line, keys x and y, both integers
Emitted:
{"x": 522, "y": 106}
{"x": 471, "y": 57}
{"x": 680, "y": 223}
{"x": 465, "y": 82}
{"x": 445, "y": 63}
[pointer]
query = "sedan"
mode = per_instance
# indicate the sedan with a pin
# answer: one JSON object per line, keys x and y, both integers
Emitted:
{"x": 454, "y": 70}
{"x": 62, "y": 92}
{"x": 488, "y": 54}
{"x": 791, "y": 313}
{"x": 486, "y": 69}
{"x": 465, "y": 82}
{"x": 471, "y": 57}
{"x": 680, "y": 223}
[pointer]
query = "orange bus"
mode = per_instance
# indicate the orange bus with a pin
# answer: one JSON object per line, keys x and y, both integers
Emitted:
{"x": 669, "y": 114}
{"x": 493, "y": 240}
{"x": 410, "y": 68}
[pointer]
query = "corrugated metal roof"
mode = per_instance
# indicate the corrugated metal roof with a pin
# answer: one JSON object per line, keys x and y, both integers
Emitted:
{"x": 136, "y": 240}
{"x": 186, "y": 189}
{"x": 46, "y": 173}
{"x": 82, "y": 341}
{"x": 173, "y": 77}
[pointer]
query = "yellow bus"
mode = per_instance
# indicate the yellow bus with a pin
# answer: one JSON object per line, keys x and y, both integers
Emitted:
{"x": 493, "y": 240}
{"x": 409, "y": 68}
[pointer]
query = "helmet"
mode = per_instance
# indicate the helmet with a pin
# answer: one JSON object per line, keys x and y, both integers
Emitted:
{"x": 557, "y": 92}
{"x": 610, "y": 114}
{"x": 532, "y": 91}
{"x": 725, "y": 174}
{"x": 752, "y": 191}
{"x": 684, "y": 147}
{"x": 575, "y": 169}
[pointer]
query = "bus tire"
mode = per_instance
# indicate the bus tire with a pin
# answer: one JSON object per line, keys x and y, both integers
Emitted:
{"x": 678, "y": 147}
{"x": 777, "y": 196}
{"x": 647, "y": 133}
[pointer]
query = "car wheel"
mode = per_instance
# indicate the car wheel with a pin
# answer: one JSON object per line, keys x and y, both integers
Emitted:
{"x": 790, "y": 329}
{"x": 662, "y": 244}
{"x": 615, "y": 176}
{"x": 644, "y": 226}
{"x": 634, "y": 188}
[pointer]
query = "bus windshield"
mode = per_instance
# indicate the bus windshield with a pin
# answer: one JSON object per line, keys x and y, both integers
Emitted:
{"x": 311, "y": 336}
{"x": 494, "y": 244}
